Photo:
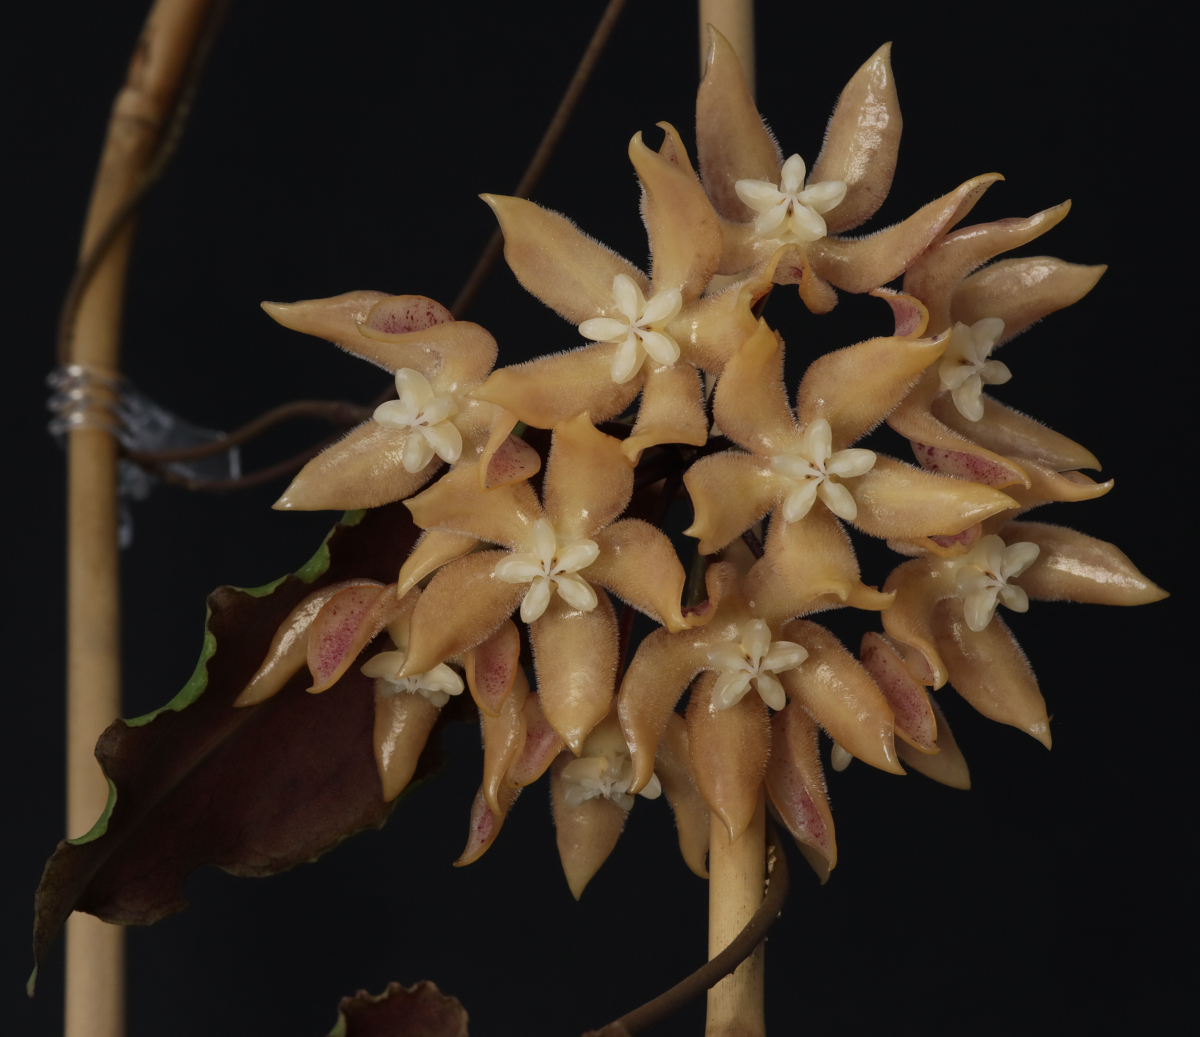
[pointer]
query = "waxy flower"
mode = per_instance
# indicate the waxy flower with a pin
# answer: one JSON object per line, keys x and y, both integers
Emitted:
{"x": 801, "y": 467}
{"x": 651, "y": 334}
{"x": 942, "y": 609}
{"x": 559, "y": 559}
{"x": 966, "y": 365}
{"x": 436, "y": 361}
{"x": 771, "y": 222}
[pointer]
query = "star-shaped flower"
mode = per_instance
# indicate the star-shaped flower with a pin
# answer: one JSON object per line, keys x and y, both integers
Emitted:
{"x": 436, "y": 361}
{"x": 754, "y": 658}
{"x": 650, "y": 333}
{"x": 983, "y": 577}
{"x": 966, "y": 366}
{"x": 801, "y": 466}
{"x": 560, "y": 557}
{"x": 771, "y": 222}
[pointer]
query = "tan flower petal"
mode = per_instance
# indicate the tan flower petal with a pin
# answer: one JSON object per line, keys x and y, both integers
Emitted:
{"x": 989, "y": 670}
{"x": 954, "y": 546}
{"x": 503, "y": 742}
{"x": 505, "y": 458}
{"x": 588, "y": 480}
{"x": 750, "y": 403}
{"x": 1048, "y": 485}
{"x": 919, "y": 585}
{"x": 729, "y": 750}
{"x": 671, "y": 411}
{"x": 731, "y": 141}
{"x": 790, "y": 265}
{"x": 796, "y": 782}
{"x": 710, "y": 329}
{"x": 485, "y": 825}
{"x": 435, "y": 548}
{"x": 542, "y": 742}
{"x": 462, "y": 607}
{"x": 552, "y": 389}
{"x": 350, "y": 620}
{"x": 685, "y": 238}
{"x": 660, "y": 670}
{"x": 947, "y": 765}
{"x": 865, "y": 263}
{"x": 554, "y": 260}
{"x": 337, "y": 319}
{"x": 1012, "y": 434}
{"x": 639, "y": 565}
{"x": 454, "y": 356}
{"x": 455, "y": 502}
{"x": 861, "y": 142}
{"x": 586, "y": 834}
{"x": 1021, "y": 291}
{"x": 1075, "y": 567}
{"x": 915, "y": 721}
{"x": 289, "y": 647}
{"x": 730, "y": 491}
{"x": 673, "y": 766}
{"x": 492, "y": 667}
{"x": 402, "y": 726}
{"x": 855, "y": 388}
{"x": 834, "y": 688}
{"x": 806, "y": 560}
{"x": 935, "y": 276}
{"x": 576, "y": 656}
{"x": 912, "y": 316}
{"x": 898, "y": 500}
{"x": 363, "y": 470}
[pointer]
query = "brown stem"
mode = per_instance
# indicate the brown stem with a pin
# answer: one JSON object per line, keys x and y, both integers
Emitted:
{"x": 245, "y": 482}
{"x": 541, "y": 157}
{"x": 713, "y": 971}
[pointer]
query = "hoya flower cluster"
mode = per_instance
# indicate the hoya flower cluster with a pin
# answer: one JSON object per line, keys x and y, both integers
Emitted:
{"x": 547, "y": 540}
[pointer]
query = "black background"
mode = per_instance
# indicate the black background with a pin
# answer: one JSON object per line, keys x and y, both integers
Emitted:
{"x": 341, "y": 146}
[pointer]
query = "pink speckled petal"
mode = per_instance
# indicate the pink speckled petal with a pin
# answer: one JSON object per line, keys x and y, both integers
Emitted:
{"x": 463, "y": 605}
{"x": 671, "y": 411}
{"x": 492, "y": 667}
{"x": 673, "y": 765}
{"x": 454, "y": 356}
{"x": 363, "y": 470}
{"x": 731, "y": 141}
{"x": 1075, "y": 567}
{"x": 898, "y": 500}
{"x": 911, "y": 315}
{"x": 484, "y": 825}
{"x": 586, "y": 834}
{"x": 861, "y": 142}
{"x": 855, "y": 388}
{"x": 947, "y": 765}
{"x": 552, "y": 389}
{"x": 866, "y": 263}
{"x": 349, "y": 621}
{"x": 588, "y": 481}
{"x": 936, "y": 275}
{"x": 796, "y": 782}
{"x": 989, "y": 670}
{"x": 554, "y": 260}
{"x": 1022, "y": 291}
{"x": 576, "y": 657}
{"x": 639, "y": 565}
{"x": 542, "y": 742}
{"x": 729, "y": 750}
{"x": 910, "y": 702}
{"x": 403, "y": 723}
{"x": 455, "y": 502}
{"x": 1012, "y": 434}
{"x": 750, "y": 403}
{"x": 685, "y": 238}
{"x": 834, "y": 688}
{"x": 919, "y": 585}
{"x": 730, "y": 491}
{"x": 288, "y": 650}
{"x": 503, "y": 743}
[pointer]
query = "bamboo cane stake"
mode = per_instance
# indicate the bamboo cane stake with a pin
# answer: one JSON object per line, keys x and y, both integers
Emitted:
{"x": 95, "y": 1004}
{"x": 733, "y": 19}
{"x": 736, "y": 883}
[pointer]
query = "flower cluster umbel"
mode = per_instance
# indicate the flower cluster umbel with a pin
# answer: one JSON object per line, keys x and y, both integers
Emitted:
{"x": 763, "y": 677}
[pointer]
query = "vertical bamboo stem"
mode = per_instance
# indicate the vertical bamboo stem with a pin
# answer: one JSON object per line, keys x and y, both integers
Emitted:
{"x": 733, "y": 19}
{"x": 736, "y": 884}
{"x": 95, "y": 1004}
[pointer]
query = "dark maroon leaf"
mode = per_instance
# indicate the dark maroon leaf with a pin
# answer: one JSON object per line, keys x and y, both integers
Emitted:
{"x": 417, "y": 1011}
{"x": 252, "y": 790}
